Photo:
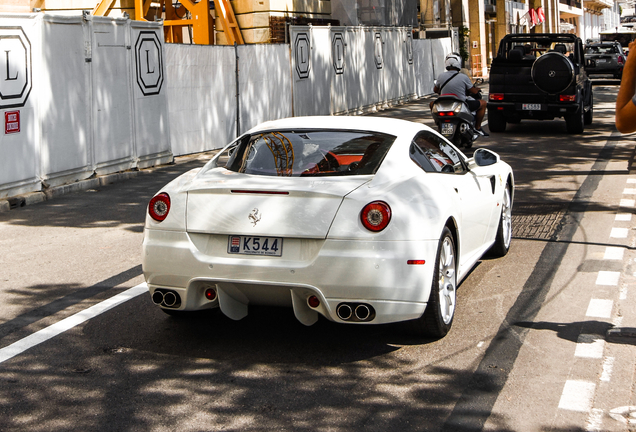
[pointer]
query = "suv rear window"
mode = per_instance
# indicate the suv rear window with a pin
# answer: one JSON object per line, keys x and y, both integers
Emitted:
{"x": 309, "y": 153}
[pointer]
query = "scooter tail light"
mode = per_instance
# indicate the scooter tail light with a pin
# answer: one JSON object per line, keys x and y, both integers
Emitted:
{"x": 375, "y": 216}
{"x": 159, "y": 207}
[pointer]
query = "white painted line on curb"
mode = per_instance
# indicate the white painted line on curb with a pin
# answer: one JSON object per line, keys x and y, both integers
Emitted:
{"x": 590, "y": 346}
{"x": 577, "y": 396}
{"x": 627, "y": 203}
{"x": 623, "y": 217}
{"x": 631, "y": 180}
{"x": 629, "y": 191}
{"x": 614, "y": 253}
{"x": 619, "y": 232}
{"x": 600, "y": 308}
{"x": 608, "y": 366}
{"x": 68, "y": 323}
{"x": 608, "y": 278}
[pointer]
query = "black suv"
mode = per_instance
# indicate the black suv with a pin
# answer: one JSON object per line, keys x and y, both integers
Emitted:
{"x": 540, "y": 76}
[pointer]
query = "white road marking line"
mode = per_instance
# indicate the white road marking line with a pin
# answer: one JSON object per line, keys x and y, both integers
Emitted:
{"x": 623, "y": 217}
{"x": 613, "y": 253}
{"x": 608, "y": 366}
{"x": 627, "y": 202}
{"x": 594, "y": 420}
{"x": 577, "y": 396}
{"x": 631, "y": 180}
{"x": 619, "y": 232}
{"x": 608, "y": 278}
{"x": 600, "y": 308}
{"x": 68, "y": 323}
{"x": 629, "y": 191}
{"x": 590, "y": 346}
{"x": 617, "y": 321}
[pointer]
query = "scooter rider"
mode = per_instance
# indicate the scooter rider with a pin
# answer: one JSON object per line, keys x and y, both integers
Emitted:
{"x": 453, "y": 82}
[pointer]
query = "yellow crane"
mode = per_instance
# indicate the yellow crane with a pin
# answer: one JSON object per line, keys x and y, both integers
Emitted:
{"x": 187, "y": 13}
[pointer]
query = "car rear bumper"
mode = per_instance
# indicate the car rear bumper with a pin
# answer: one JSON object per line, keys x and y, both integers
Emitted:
{"x": 334, "y": 271}
{"x": 547, "y": 111}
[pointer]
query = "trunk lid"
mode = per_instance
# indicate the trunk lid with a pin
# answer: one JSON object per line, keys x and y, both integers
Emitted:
{"x": 224, "y": 202}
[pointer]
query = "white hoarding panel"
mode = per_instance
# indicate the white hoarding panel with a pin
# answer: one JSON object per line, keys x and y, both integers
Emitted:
{"x": 310, "y": 53}
{"x": 111, "y": 95}
{"x": 202, "y": 97}
{"x": 64, "y": 101}
{"x": 19, "y": 134}
{"x": 265, "y": 84}
{"x": 151, "y": 125}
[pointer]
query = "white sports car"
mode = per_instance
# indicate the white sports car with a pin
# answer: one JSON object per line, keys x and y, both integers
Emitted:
{"x": 362, "y": 220}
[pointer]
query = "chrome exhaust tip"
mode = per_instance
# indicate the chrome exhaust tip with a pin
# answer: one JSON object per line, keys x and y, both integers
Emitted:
{"x": 344, "y": 311}
{"x": 362, "y": 312}
{"x": 170, "y": 299}
{"x": 157, "y": 297}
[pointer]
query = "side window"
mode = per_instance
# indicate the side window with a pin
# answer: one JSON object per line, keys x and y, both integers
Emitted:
{"x": 432, "y": 153}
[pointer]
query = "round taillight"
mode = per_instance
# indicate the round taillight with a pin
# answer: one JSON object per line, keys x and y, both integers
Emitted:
{"x": 376, "y": 216}
{"x": 159, "y": 207}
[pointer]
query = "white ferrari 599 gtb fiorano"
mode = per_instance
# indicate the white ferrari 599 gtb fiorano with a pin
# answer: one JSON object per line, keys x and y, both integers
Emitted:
{"x": 362, "y": 220}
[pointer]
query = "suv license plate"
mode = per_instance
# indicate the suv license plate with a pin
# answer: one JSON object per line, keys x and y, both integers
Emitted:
{"x": 248, "y": 245}
{"x": 448, "y": 129}
{"x": 531, "y": 107}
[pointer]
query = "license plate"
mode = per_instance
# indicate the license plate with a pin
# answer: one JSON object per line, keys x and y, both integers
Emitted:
{"x": 531, "y": 107}
{"x": 248, "y": 245}
{"x": 601, "y": 61}
{"x": 448, "y": 129}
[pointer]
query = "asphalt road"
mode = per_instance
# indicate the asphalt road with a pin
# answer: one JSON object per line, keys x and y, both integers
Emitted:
{"x": 528, "y": 351}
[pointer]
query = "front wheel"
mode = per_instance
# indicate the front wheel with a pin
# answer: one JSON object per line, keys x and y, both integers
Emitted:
{"x": 440, "y": 310}
{"x": 504, "y": 230}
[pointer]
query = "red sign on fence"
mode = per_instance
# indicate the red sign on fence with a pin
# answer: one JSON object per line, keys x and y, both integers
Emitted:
{"x": 11, "y": 122}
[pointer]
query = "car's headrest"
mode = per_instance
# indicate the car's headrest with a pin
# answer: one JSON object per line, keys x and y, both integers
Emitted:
{"x": 516, "y": 53}
{"x": 561, "y": 48}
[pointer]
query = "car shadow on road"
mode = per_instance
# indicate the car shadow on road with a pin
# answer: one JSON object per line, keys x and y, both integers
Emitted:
{"x": 574, "y": 331}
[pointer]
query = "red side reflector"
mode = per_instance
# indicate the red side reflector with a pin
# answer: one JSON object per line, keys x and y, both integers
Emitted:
{"x": 313, "y": 302}
{"x": 416, "y": 262}
{"x": 210, "y": 294}
{"x": 259, "y": 192}
{"x": 567, "y": 98}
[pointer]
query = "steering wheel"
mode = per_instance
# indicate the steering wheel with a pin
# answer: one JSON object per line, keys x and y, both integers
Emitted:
{"x": 329, "y": 163}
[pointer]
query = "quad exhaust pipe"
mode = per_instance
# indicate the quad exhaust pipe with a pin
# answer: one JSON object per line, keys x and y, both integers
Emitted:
{"x": 355, "y": 312}
{"x": 166, "y": 298}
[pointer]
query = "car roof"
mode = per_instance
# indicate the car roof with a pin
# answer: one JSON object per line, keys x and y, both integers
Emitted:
{"x": 385, "y": 125}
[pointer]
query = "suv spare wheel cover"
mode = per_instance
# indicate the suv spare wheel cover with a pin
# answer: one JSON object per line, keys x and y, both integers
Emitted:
{"x": 553, "y": 72}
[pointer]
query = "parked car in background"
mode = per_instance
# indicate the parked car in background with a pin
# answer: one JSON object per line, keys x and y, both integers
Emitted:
{"x": 361, "y": 220}
{"x": 605, "y": 58}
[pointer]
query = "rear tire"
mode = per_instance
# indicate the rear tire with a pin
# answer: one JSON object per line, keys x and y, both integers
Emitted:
{"x": 440, "y": 310}
{"x": 575, "y": 123}
{"x": 504, "y": 230}
{"x": 496, "y": 121}
{"x": 589, "y": 114}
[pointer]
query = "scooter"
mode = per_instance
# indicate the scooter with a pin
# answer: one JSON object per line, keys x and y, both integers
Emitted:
{"x": 455, "y": 121}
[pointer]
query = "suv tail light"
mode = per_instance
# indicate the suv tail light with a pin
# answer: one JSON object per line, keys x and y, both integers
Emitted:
{"x": 567, "y": 98}
{"x": 496, "y": 97}
{"x": 621, "y": 60}
{"x": 159, "y": 206}
{"x": 375, "y": 216}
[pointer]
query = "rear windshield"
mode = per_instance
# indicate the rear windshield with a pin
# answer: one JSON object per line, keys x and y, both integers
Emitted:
{"x": 310, "y": 153}
{"x": 601, "y": 49}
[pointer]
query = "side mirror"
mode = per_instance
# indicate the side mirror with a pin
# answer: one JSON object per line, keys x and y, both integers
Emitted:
{"x": 485, "y": 157}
